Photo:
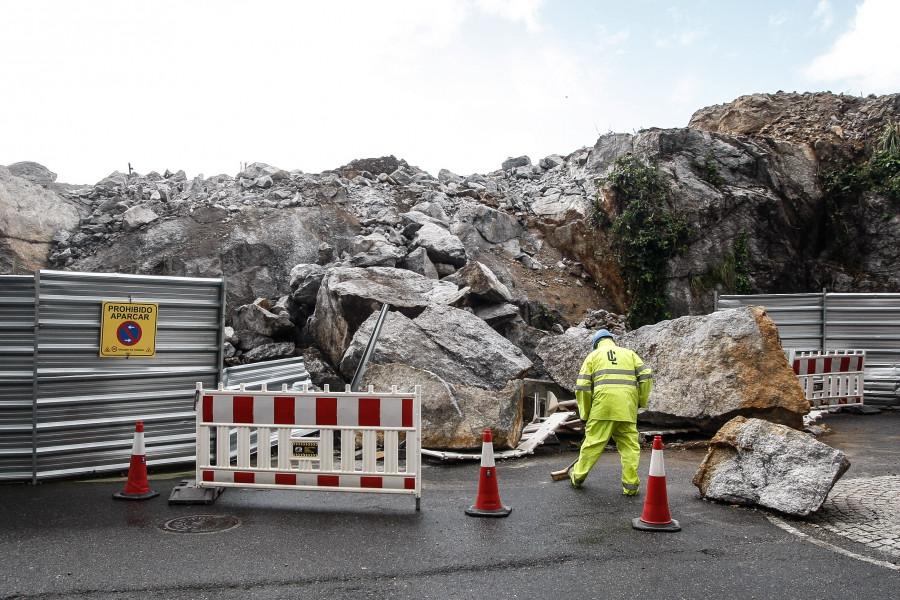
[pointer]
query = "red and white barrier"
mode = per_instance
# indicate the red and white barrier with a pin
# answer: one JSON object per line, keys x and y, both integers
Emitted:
{"x": 831, "y": 378}
{"x": 309, "y": 462}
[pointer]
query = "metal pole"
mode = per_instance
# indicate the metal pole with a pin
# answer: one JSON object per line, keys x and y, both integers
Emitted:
{"x": 370, "y": 348}
{"x": 824, "y": 319}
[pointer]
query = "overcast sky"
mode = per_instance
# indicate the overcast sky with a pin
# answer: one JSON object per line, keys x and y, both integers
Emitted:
{"x": 89, "y": 86}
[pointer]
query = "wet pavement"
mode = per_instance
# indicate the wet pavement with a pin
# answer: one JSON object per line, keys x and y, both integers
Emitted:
{"x": 70, "y": 539}
{"x": 861, "y": 515}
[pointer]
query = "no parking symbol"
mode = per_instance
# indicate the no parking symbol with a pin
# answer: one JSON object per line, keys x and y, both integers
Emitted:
{"x": 128, "y": 329}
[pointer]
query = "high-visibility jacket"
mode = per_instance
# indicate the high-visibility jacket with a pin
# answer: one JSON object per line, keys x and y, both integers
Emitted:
{"x": 612, "y": 384}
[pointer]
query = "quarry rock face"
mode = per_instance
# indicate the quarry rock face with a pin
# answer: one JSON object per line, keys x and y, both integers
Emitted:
{"x": 755, "y": 462}
{"x": 513, "y": 259}
{"x": 32, "y": 219}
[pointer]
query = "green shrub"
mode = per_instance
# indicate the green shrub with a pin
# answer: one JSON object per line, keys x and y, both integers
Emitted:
{"x": 645, "y": 236}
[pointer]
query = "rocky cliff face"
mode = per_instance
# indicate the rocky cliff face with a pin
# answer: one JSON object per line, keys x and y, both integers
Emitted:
{"x": 743, "y": 173}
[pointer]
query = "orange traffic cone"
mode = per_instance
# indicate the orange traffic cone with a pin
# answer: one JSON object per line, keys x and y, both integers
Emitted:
{"x": 487, "y": 504}
{"x": 137, "y": 488}
{"x": 656, "y": 515}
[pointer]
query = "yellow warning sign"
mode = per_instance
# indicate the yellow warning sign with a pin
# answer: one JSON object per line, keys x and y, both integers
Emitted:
{"x": 128, "y": 329}
{"x": 306, "y": 449}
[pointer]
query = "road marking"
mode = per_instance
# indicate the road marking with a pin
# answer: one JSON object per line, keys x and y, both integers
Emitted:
{"x": 782, "y": 524}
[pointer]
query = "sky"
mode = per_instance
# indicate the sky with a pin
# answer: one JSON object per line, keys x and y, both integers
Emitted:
{"x": 91, "y": 86}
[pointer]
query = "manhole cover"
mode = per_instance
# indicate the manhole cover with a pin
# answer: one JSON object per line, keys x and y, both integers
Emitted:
{"x": 201, "y": 524}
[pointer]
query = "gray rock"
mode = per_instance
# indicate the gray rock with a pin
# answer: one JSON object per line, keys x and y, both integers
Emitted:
{"x": 320, "y": 370}
{"x": 754, "y": 462}
{"x": 374, "y": 250}
{"x": 482, "y": 284}
{"x": 30, "y": 217}
{"x": 306, "y": 279}
{"x": 551, "y": 162}
{"x": 417, "y": 261}
{"x": 454, "y": 344}
{"x": 441, "y": 245}
{"x": 515, "y": 163}
{"x": 445, "y": 176}
{"x": 413, "y": 220}
{"x": 349, "y": 295}
{"x": 497, "y": 315}
{"x": 34, "y": 172}
{"x": 269, "y": 352}
{"x": 138, "y": 216}
{"x": 706, "y": 369}
{"x": 324, "y": 254}
{"x": 258, "y": 318}
{"x": 454, "y": 417}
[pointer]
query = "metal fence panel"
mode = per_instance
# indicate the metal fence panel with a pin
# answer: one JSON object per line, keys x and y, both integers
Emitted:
{"x": 84, "y": 406}
{"x": 16, "y": 370}
{"x": 832, "y": 321}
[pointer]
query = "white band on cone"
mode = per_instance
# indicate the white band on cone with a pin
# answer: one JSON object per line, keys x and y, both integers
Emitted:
{"x": 137, "y": 449}
{"x": 657, "y": 464}
{"x": 487, "y": 455}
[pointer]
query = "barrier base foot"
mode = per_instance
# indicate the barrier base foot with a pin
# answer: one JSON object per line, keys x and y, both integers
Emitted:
{"x": 146, "y": 496}
{"x": 187, "y": 492}
{"x": 672, "y": 526}
{"x": 478, "y": 512}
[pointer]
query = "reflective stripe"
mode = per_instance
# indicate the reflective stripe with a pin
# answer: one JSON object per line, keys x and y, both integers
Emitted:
{"x": 612, "y": 372}
{"x": 645, "y": 377}
{"x": 631, "y": 486}
{"x": 643, "y": 368}
{"x": 615, "y": 382}
{"x": 584, "y": 376}
{"x": 582, "y": 388}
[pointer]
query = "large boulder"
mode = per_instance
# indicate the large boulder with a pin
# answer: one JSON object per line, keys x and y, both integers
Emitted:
{"x": 454, "y": 417}
{"x": 564, "y": 354}
{"x": 349, "y": 295}
{"x": 751, "y": 461}
{"x": 30, "y": 217}
{"x": 454, "y": 344}
{"x": 706, "y": 369}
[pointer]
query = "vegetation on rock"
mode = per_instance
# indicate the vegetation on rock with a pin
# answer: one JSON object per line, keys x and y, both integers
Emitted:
{"x": 646, "y": 234}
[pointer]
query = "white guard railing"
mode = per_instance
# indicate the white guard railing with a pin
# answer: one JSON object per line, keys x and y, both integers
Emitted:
{"x": 830, "y": 378}
{"x": 310, "y": 462}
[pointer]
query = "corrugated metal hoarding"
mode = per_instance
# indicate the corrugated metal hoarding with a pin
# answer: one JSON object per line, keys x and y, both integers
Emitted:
{"x": 16, "y": 371}
{"x": 833, "y": 321}
{"x": 85, "y": 406}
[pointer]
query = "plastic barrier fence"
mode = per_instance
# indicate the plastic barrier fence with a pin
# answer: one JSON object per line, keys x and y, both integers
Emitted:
{"x": 325, "y": 461}
{"x": 830, "y": 378}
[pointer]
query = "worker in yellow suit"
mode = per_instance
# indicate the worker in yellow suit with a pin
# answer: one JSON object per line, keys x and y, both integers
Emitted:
{"x": 612, "y": 384}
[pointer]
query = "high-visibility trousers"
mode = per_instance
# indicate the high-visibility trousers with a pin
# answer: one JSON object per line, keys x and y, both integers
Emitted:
{"x": 596, "y": 435}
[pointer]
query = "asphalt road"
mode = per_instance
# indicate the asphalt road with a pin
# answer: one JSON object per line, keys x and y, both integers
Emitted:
{"x": 72, "y": 540}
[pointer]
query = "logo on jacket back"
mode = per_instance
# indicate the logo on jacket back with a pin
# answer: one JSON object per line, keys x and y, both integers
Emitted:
{"x": 611, "y": 355}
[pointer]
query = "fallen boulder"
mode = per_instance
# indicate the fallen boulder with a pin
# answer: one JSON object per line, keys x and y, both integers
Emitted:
{"x": 709, "y": 369}
{"x": 454, "y": 417}
{"x": 706, "y": 369}
{"x": 454, "y": 344}
{"x": 751, "y": 461}
{"x": 349, "y": 295}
